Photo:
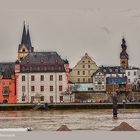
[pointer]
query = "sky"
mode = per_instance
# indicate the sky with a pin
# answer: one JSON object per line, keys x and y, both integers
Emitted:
{"x": 73, "y": 28}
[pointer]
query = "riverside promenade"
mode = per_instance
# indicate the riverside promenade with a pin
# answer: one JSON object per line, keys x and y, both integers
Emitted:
{"x": 46, "y": 106}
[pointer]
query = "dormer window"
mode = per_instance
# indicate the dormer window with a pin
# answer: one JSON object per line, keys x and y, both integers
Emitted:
{"x": 52, "y": 67}
{"x": 116, "y": 70}
{"x": 110, "y": 70}
{"x": 45, "y": 68}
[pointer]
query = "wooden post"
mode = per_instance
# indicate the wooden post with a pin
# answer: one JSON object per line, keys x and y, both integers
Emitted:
{"x": 115, "y": 106}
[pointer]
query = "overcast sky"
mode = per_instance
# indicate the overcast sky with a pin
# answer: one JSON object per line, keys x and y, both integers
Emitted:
{"x": 72, "y": 28}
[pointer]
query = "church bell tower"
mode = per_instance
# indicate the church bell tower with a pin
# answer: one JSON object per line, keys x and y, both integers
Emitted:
{"x": 26, "y": 46}
{"x": 123, "y": 55}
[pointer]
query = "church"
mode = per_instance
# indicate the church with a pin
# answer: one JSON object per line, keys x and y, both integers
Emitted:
{"x": 35, "y": 76}
{"x": 40, "y": 76}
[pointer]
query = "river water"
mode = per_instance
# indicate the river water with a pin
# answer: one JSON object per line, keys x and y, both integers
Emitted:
{"x": 88, "y": 119}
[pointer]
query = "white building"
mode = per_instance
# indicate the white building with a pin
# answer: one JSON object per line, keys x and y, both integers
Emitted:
{"x": 133, "y": 74}
{"x": 99, "y": 80}
{"x": 42, "y": 77}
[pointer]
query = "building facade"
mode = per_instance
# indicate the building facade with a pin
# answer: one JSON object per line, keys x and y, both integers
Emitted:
{"x": 111, "y": 79}
{"x": 7, "y": 83}
{"x": 42, "y": 77}
{"x": 83, "y": 70}
{"x": 99, "y": 80}
{"x": 133, "y": 75}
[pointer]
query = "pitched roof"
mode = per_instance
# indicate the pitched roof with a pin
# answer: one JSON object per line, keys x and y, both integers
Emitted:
{"x": 42, "y": 59}
{"x": 111, "y": 70}
{"x": 23, "y": 40}
{"x": 7, "y": 70}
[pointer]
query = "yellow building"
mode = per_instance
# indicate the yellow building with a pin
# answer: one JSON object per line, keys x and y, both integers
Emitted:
{"x": 83, "y": 70}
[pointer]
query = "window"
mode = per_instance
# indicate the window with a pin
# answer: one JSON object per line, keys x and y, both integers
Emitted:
{"x": 32, "y": 88}
{"x": 23, "y": 50}
{"x": 90, "y": 89}
{"x": 128, "y": 73}
{"x": 51, "y": 99}
{"x": 96, "y": 87}
{"x": 32, "y": 98}
{"x": 88, "y": 61}
{"x": 99, "y": 87}
{"x": 31, "y": 68}
{"x": 23, "y": 88}
{"x": 135, "y": 73}
{"x": 83, "y": 79}
{"x": 10, "y": 83}
{"x": 88, "y": 66}
{"x": 52, "y": 68}
{"x": 45, "y": 68}
{"x": 102, "y": 87}
{"x": 60, "y": 77}
{"x": 38, "y": 68}
{"x": 61, "y": 98}
{"x": 41, "y": 88}
{"x": 32, "y": 78}
{"x": 83, "y": 61}
{"x": 78, "y": 72}
{"x": 51, "y": 77}
{"x": 51, "y": 88}
{"x": 42, "y": 98}
{"x": 59, "y": 68}
{"x": 78, "y": 80}
{"x": 42, "y": 78}
{"x": 83, "y": 72}
{"x": 83, "y": 66}
{"x": 60, "y": 88}
{"x": 129, "y": 81}
{"x": 89, "y": 80}
{"x": 23, "y": 98}
{"x": 23, "y": 78}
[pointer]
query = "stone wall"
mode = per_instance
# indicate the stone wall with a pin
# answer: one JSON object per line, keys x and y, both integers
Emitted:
{"x": 106, "y": 97}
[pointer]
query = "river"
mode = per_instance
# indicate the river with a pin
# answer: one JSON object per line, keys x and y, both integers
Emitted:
{"x": 84, "y": 119}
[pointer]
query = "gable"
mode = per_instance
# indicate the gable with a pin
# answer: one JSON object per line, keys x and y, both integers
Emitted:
{"x": 85, "y": 60}
{"x": 23, "y": 48}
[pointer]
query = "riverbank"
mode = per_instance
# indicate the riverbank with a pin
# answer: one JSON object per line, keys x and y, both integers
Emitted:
{"x": 45, "y": 106}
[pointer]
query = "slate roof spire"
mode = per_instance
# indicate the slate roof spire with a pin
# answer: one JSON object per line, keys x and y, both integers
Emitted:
{"x": 28, "y": 39}
{"x": 23, "y": 40}
{"x": 124, "y": 48}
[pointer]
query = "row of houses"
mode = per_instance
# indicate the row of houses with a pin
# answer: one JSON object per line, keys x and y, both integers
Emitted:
{"x": 46, "y": 77}
{"x": 88, "y": 78}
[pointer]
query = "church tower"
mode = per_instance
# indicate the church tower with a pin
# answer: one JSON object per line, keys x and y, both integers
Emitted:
{"x": 123, "y": 55}
{"x": 26, "y": 46}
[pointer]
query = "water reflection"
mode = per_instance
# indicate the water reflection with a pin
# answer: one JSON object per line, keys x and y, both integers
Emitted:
{"x": 75, "y": 119}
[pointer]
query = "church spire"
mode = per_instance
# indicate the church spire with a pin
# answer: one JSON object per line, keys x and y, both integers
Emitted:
{"x": 23, "y": 40}
{"x": 124, "y": 55}
{"x": 28, "y": 40}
